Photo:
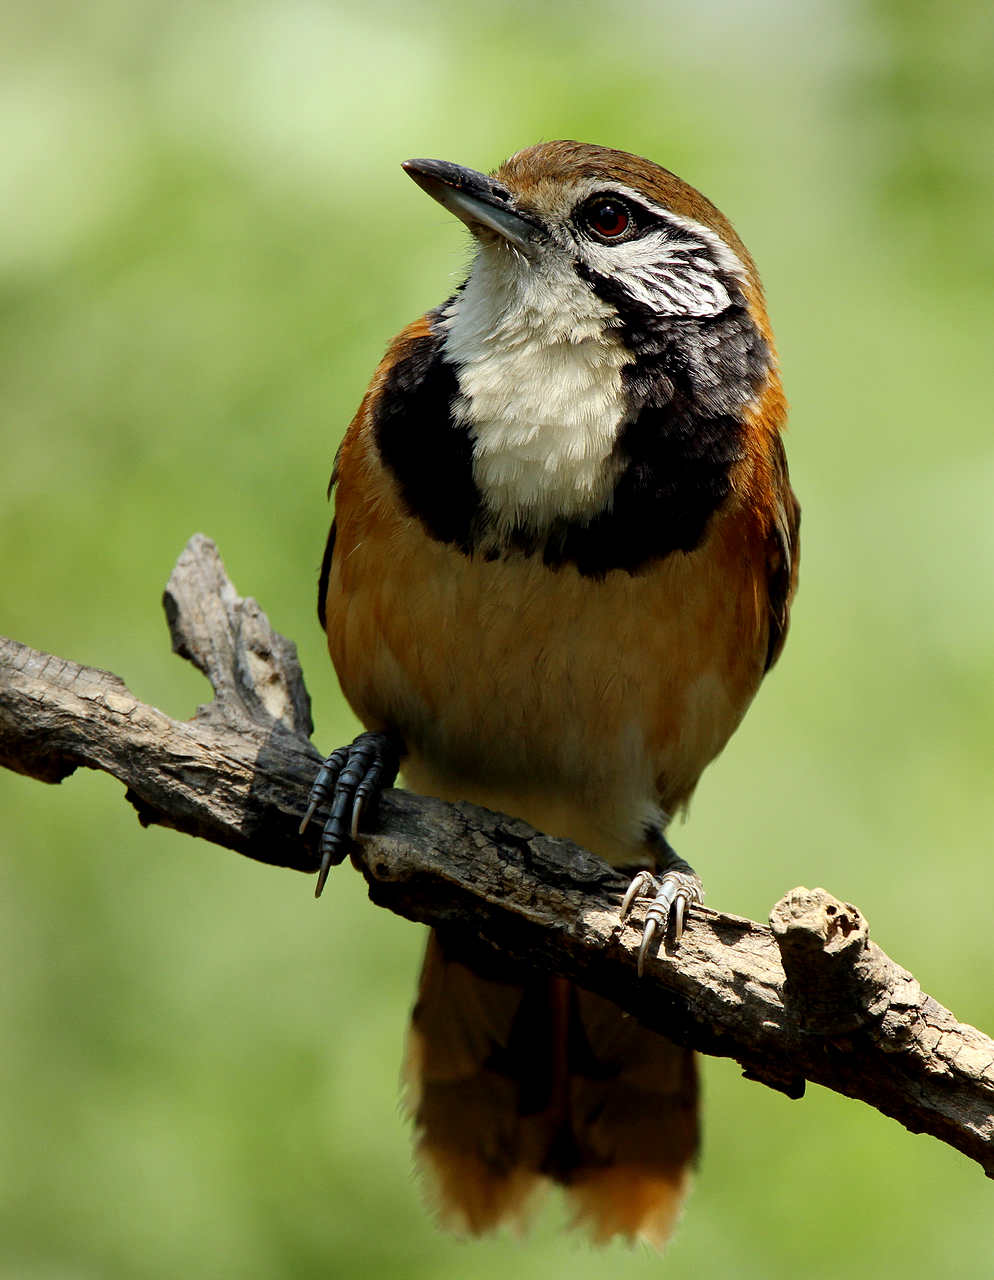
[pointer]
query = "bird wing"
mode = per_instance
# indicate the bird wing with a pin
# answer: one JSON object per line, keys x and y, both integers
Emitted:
{"x": 783, "y": 553}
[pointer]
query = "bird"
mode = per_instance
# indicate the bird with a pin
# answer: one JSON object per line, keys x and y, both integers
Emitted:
{"x": 563, "y": 556}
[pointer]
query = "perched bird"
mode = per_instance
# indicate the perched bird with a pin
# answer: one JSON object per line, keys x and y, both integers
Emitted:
{"x": 563, "y": 557}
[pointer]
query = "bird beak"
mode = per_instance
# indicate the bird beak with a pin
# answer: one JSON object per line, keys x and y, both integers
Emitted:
{"x": 478, "y": 200}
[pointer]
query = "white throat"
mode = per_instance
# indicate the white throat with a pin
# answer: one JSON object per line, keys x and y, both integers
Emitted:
{"x": 540, "y": 387}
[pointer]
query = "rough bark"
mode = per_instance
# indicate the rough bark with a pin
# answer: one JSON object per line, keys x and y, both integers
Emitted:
{"x": 811, "y": 998}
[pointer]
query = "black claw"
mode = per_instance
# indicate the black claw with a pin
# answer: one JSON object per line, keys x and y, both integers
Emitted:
{"x": 323, "y": 870}
{"x": 368, "y": 786}
{"x": 324, "y": 783}
{"x": 349, "y": 779}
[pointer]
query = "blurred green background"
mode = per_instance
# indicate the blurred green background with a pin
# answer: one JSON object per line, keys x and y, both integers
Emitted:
{"x": 206, "y": 243}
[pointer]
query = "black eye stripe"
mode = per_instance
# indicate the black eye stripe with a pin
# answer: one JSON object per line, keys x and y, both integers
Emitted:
{"x": 685, "y": 247}
{"x": 641, "y": 221}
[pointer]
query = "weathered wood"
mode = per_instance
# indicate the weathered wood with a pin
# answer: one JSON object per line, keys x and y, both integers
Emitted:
{"x": 811, "y": 998}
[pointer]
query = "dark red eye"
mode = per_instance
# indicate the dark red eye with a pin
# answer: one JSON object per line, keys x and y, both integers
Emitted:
{"x": 608, "y": 218}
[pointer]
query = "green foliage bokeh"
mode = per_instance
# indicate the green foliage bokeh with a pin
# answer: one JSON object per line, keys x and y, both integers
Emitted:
{"x": 207, "y": 242}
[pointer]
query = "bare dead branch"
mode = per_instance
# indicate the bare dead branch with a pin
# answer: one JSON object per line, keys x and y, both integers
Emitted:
{"x": 811, "y": 998}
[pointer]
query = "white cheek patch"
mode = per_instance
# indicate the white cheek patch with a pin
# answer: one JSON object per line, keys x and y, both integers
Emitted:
{"x": 683, "y": 293}
{"x": 702, "y": 238}
{"x": 670, "y": 276}
{"x": 540, "y": 380}
{"x": 674, "y": 270}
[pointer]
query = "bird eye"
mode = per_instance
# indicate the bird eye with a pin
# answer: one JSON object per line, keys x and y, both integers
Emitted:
{"x": 607, "y": 217}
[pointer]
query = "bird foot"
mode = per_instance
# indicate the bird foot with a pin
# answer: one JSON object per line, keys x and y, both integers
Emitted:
{"x": 669, "y": 896}
{"x": 350, "y": 779}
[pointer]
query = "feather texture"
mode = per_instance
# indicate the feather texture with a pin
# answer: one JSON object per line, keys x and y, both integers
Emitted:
{"x": 563, "y": 559}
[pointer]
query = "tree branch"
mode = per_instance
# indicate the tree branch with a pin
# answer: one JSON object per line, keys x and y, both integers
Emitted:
{"x": 811, "y": 998}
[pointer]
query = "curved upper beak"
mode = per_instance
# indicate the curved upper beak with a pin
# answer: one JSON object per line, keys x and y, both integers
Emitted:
{"x": 478, "y": 200}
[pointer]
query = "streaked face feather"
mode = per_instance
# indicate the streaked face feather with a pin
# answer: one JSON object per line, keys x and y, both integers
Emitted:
{"x": 539, "y": 355}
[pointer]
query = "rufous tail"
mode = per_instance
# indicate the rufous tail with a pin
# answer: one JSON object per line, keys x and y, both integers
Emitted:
{"x": 515, "y": 1079}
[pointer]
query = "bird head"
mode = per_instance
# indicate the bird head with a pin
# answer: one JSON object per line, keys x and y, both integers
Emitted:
{"x": 641, "y": 239}
{"x": 610, "y": 351}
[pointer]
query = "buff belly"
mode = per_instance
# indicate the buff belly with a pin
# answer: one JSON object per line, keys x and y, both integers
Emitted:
{"x": 587, "y": 707}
